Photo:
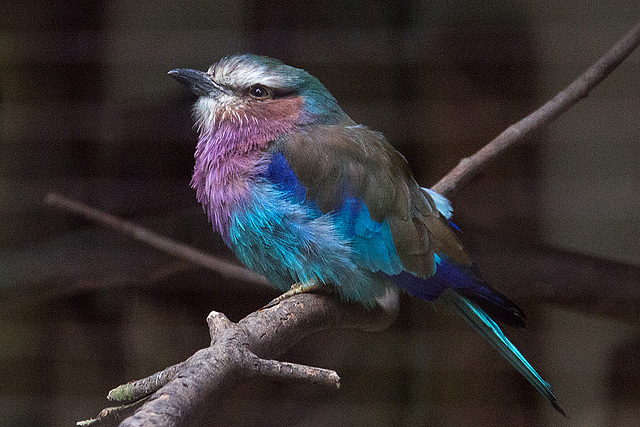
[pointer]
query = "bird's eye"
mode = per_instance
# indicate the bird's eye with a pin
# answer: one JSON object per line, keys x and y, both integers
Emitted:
{"x": 259, "y": 92}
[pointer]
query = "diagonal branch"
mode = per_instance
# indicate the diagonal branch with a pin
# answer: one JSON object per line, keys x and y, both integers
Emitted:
{"x": 516, "y": 134}
{"x": 186, "y": 252}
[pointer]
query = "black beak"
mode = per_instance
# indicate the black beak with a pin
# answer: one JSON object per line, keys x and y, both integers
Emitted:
{"x": 197, "y": 81}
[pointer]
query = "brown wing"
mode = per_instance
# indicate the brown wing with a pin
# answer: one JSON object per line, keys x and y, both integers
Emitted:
{"x": 336, "y": 161}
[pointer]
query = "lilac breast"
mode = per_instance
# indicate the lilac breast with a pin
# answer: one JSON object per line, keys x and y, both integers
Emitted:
{"x": 222, "y": 183}
{"x": 230, "y": 156}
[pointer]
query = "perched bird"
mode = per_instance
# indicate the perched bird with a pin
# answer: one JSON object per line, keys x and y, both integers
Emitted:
{"x": 310, "y": 199}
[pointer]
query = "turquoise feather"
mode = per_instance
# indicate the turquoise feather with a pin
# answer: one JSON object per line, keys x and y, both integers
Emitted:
{"x": 291, "y": 243}
{"x": 490, "y": 331}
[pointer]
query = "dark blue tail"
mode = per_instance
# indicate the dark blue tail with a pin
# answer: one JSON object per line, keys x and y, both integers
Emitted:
{"x": 467, "y": 282}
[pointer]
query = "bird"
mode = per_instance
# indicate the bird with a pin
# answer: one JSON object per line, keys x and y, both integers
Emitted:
{"x": 310, "y": 199}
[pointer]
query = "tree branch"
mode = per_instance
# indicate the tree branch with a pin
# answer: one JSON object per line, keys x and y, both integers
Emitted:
{"x": 294, "y": 371}
{"x": 225, "y": 268}
{"x": 516, "y": 134}
{"x": 241, "y": 350}
{"x": 244, "y": 349}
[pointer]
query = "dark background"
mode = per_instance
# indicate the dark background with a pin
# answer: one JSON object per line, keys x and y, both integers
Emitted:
{"x": 87, "y": 110}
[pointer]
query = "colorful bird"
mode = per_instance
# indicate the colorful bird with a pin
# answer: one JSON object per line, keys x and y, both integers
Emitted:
{"x": 310, "y": 199}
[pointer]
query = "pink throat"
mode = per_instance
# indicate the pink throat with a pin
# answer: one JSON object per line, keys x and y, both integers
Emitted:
{"x": 228, "y": 159}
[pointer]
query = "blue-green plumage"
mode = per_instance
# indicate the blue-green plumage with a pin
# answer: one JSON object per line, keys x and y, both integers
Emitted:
{"x": 304, "y": 195}
{"x": 370, "y": 242}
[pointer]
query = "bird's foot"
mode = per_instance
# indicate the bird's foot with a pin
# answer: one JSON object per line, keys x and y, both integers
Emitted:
{"x": 296, "y": 288}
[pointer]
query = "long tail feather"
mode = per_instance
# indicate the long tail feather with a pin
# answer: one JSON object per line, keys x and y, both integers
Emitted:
{"x": 490, "y": 331}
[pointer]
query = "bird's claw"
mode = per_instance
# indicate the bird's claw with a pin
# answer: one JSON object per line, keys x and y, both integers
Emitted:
{"x": 296, "y": 288}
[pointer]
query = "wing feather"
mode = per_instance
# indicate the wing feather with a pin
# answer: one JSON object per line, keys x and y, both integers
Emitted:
{"x": 336, "y": 162}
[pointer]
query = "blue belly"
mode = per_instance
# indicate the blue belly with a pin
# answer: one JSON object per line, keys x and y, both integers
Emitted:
{"x": 291, "y": 242}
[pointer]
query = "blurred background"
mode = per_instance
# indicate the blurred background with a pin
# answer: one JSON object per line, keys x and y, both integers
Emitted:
{"x": 87, "y": 111}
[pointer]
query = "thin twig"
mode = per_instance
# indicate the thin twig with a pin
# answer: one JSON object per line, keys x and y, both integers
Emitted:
{"x": 515, "y": 134}
{"x": 225, "y": 268}
{"x": 113, "y": 415}
{"x": 135, "y": 390}
{"x": 295, "y": 371}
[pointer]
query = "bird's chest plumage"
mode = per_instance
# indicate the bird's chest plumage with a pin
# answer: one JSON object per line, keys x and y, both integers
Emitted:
{"x": 291, "y": 242}
{"x": 272, "y": 227}
{"x": 223, "y": 185}
{"x": 231, "y": 153}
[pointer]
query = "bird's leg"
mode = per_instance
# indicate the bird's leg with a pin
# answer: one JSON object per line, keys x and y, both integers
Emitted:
{"x": 297, "y": 288}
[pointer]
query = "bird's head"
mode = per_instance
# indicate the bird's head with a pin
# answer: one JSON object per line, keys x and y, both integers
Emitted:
{"x": 255, "y": 91}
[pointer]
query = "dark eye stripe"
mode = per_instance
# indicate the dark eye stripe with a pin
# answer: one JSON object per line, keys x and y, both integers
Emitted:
{"x": 284, "y": 93}
{"x": 271, "y": 92}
